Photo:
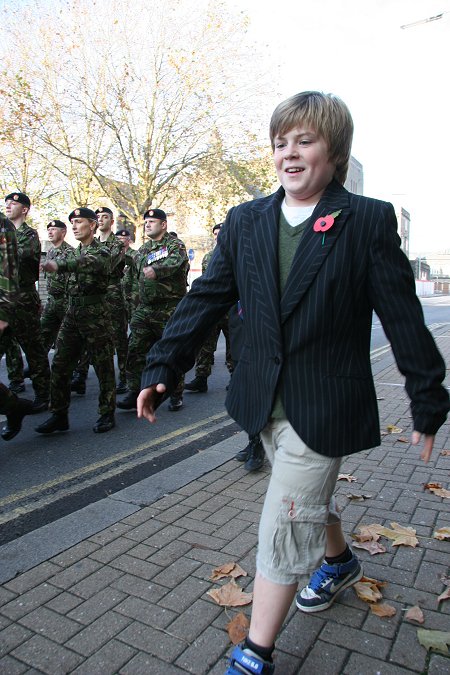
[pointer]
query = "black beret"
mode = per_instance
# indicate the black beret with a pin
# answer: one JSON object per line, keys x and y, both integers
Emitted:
{"x": 123, "y": 233}
{"x": 104, "y": 209}
{"x": 57, "y": 223}
{"x": 20, "y": 197}
{"x": 82, "y": 212}
{"x": 217, "y": 227}
{"x": 155, "y": 213}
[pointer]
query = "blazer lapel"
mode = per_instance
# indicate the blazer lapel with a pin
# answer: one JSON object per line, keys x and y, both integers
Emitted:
{"x": 313, "y": 249}
{"x": 260, "y": 253}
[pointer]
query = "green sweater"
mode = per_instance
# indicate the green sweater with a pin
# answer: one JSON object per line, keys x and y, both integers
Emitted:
{"x": 288, "y": 241}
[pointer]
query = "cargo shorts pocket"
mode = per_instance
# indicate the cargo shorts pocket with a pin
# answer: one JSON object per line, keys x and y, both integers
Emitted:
{"x": 300, "y": 536}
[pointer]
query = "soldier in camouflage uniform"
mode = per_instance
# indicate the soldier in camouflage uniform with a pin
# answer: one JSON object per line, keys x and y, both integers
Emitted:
{"x": 14, "y": 408}
{"x": 86, "y": 324}
{"x": 14, "y": 366}
{"x": 205, "y": 357}
{"x": 26, "y": 321}
{"x": 129, "y": 282}
{"x": 116, "y": 303}
{"x": 57, "y": 285}
{"x": 161, "y": 265}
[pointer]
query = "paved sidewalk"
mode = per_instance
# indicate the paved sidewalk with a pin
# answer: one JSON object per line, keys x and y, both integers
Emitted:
{"x": 120, "y": 587}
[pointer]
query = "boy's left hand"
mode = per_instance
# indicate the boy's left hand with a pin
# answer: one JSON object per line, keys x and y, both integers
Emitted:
{"x": 428, "y": 443}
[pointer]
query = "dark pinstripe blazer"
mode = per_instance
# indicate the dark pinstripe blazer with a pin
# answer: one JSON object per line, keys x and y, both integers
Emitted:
{"x": 313, "y": 341}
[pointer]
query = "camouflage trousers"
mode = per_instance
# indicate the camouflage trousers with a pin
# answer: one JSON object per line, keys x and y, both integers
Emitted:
{"x": 84, "y": 328}
{"x": 26, "y": 328}
{"x": 51, "y": 320}
{"x": 8, "y": 400}
{"x": 119, "y": 325}
{"x": 14, "y": 362}
{"x": 147, "y": 325}
{"x": 205, "y": 357}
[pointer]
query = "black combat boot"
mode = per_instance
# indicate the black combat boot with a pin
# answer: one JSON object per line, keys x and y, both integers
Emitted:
{"x": 104, "y": 423}
{"x": 14, "y": 420}
{"x": 78, "y": 384}
{"x": 40, "y": 404}
{"x": 121, "y": 387}
{"x": 199, "y": 385}
{"x": 255, "y": 458}
{"x": 17, "y": 387}
{"x": 176, "y": 403}
{"x": 57, "y": 422}
{"x": 129, "y": 401}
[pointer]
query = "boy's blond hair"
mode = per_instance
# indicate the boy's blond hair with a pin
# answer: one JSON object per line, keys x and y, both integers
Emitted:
{"x": 327, "y": 115}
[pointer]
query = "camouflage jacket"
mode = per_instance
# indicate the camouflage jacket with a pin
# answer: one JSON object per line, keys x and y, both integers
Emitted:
{"x": 170, "y": 262}
{"x": 29, "y": 249}
{"x": 57, "y": 284}
{"x": 117, "y": 251}
{"x": 9, "y": 272}
{"x": 206, "y": 260}
{"x": 129, "y": 279}
{"x": 89, "y": 268}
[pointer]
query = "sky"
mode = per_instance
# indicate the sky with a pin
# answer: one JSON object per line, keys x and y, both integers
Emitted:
{"x": 395, "y": 82}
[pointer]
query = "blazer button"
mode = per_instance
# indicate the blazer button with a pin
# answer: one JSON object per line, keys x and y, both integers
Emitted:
{"x": 276, "y": 360}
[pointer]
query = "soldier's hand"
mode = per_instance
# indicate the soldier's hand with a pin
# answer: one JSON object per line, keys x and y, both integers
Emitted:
{"x": 428, "y": 442}
{"x": 3, "y": 325}
{"x": 49, "y": 266}
{"x": 149, "y": 273}
{"x": 147, "y": 401}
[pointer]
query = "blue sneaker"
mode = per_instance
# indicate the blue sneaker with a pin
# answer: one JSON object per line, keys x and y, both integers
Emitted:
{"x": 326, "y": 583}
{"x": 245, "y": 661}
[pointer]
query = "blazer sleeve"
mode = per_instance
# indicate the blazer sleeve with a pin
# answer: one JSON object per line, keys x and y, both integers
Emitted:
{"x": 393, "y": 295}
{"x": 210, "y": 297}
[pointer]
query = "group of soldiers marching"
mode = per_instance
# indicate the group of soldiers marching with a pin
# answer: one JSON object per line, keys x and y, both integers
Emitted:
{"x": 95, "y": 292}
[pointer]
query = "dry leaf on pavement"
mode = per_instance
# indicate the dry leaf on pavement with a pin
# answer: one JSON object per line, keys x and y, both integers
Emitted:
{"x": 368, "y": 589}
{"x": 231, "y": 569}
{"x": 372, "y": 546}
{"x": 367, "y": 533}
{"x": 401, "y": 536}
{"x": 383, "y": 609}
{"x": 441, "y": 492}
{"x": 346, "y": 476}
{"x": 434, "y": 639}
{"x": 445, "y": 595}
{"x": 432, "y": 486}
{"x": 445, "y": 579}
{"x": 392, "y": 429}
{"x": 238, "y": 628}
{"x": 403, "y": 439}
{"x": 442, "y": 533}
{"x": 358, "y": 498}
{"x": 415, "y": 614}
{"x": 230, "y": 595}
{"x": 445, "y": 453}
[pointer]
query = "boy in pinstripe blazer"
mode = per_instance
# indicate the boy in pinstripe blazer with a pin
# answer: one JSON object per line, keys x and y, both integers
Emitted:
{"x": 309, "y": 264}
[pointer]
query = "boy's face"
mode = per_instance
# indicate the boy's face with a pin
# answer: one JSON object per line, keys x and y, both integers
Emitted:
{"x": 302, "y": 165}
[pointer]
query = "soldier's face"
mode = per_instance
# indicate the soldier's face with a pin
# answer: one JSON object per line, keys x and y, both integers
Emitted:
{"x": 105, "y": 222}
{"x": 15, "y": 209}
{"x": 125, "y": 241}
{"x": 56, "y": 234}
{"x": 155, "y": 228}
{"x": 83, "y": 229}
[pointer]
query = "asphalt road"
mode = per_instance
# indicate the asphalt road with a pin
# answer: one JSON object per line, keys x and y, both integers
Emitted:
{"x": 45, "y": 477}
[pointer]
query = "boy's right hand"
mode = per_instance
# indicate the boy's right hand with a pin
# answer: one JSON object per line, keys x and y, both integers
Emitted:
{"x": 148, "y": 401}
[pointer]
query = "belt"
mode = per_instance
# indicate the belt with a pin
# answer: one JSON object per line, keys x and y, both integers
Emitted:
{"x": 85, "y": 300}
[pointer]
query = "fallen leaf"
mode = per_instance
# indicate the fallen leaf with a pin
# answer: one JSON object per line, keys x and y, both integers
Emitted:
{"x": 434, "y": 639}
{"x": 238, "y": 628}
{"x": 231, "y": 569}
{"x": 403, "y": 439}
{"x": 445, "y": 453}
{"x": 372, "y": 546}
{"x": 432, "y": 486}
{"x": 442, "y": 533}
{"x": 383, "y": 609}
{"x": 445, "y": 579}
{"x": 441, "y": 492}
{"x": 415, "y": 614}
{"x": 445, "y": 595}
{"x": 392, "y": 429}
{"x": 368, "y": 589}
{"x": 346, "y": 476}
{"x": 367, "y": 533}
{"x": 358, "y": 498}
{"x": 401, "y": 536}
{"x": 230, "y": 595}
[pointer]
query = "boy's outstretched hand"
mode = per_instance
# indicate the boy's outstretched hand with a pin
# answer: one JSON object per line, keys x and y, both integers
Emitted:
{"x": 428, "y": 442}
{"x": 147, "y": 401}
